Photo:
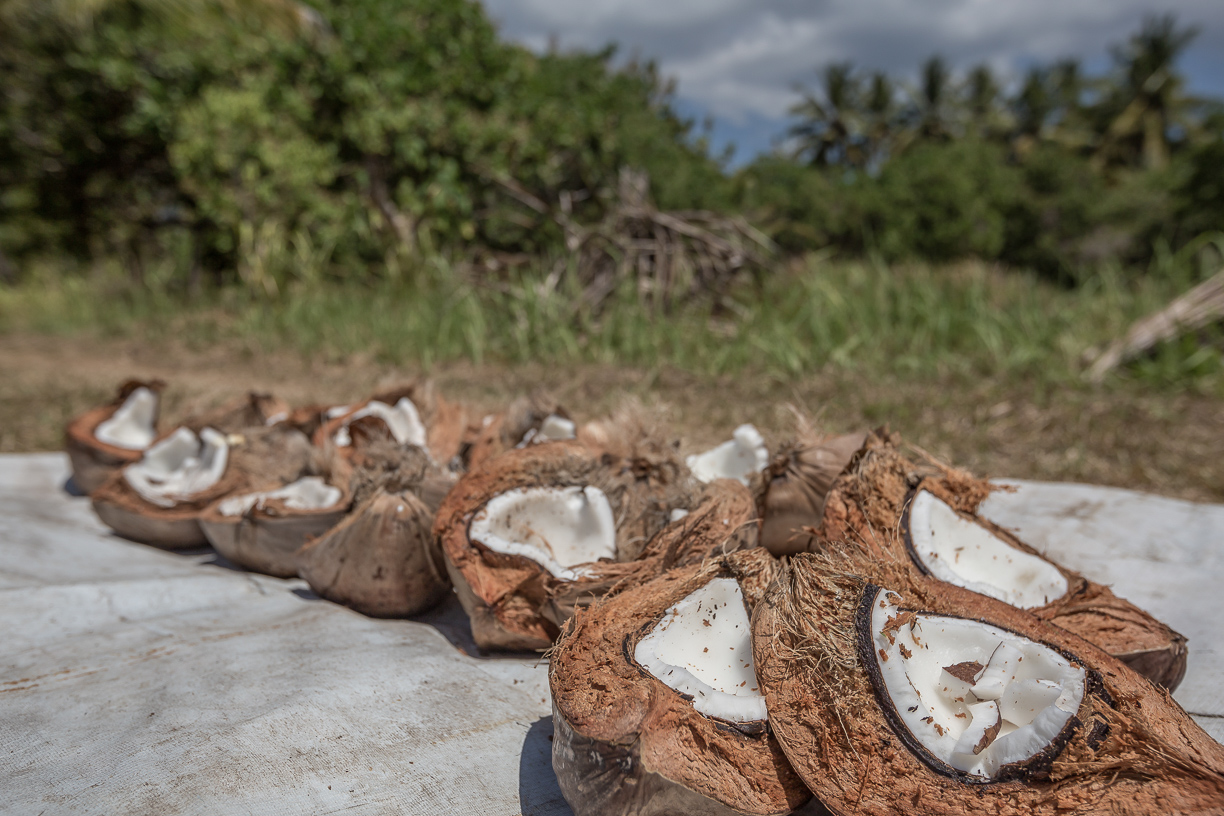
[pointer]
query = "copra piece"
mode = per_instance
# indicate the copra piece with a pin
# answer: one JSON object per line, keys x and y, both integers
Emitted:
{"x": 739, "y": 458}
{"x": 559, "y": 528}
{"x": 132, "y": 426}
{"x": 957, "y": 550}
{"x": 973, "y": 696}
{"x": 309, "y": 493}
{"x": 554, "y": 428}
{"x": 702, "y": 647}
{"x": 179, "y": 466}
{"x": 403, "y": 419}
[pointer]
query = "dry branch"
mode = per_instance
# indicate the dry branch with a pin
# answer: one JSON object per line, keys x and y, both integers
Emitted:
{"x": 1202, "y": 305}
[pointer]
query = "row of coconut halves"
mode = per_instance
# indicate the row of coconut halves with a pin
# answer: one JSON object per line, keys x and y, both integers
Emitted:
{"x": 694, "y": 671}
{"x": 360, "y": 484}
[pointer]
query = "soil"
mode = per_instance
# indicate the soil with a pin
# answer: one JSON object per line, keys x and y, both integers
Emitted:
{"x": 1168, "y": 443}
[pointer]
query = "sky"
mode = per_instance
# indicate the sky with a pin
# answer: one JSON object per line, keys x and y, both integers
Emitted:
{"x": 738, "y": 61}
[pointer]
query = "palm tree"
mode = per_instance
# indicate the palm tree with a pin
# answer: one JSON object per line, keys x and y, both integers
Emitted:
{"x": 982, "y": 103}
{"x": 1148, "y": 101}
{"x": 830, "y": 131}
{"x": 934, "y": 100}
{"x": 880, "y": 113}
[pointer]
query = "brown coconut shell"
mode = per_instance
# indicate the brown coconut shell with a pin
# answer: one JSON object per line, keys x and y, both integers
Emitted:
{"x": 627, "y": 744}
{"x": 252, "y": 410}
{"x": 795, "y": 484}
{"x": 382, "y": 561}
{"x": 267, "y": 537}
{"x": 259, "y": 459}
{"x": 93, "y": 461}
{"x": 504, "y": 431}
{"x": 1130, "y": 749}
{"x": 505, "y": 595}
{"x": 446, "y": 423}
{"x": 868, "y": 506}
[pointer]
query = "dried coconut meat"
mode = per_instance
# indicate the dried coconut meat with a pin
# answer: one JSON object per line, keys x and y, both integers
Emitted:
{"x": 924, "y": 515}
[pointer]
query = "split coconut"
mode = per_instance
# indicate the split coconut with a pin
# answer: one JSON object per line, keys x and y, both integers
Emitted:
{"x": 262, "y": 530}
{"x": 741, "y": 457}
{"x": 656, "y": 705}
{"x": 104, "y": 439}
{"x": 549, "y": 521}
{"x": 891, "y": 692}
{"x": 413, "y": 414}
{"x": 383, "y": 559}
{"x": 160, "y": 499}
{"x": 924, "y": 514}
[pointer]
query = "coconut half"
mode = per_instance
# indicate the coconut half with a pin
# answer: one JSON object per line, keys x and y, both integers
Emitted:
{"x": 105, "y": 439}
{"x": 891, "y": 692}
{"x": 161, "y": 499}
{"x": 413, "y": 414}
{"x": 796, "y": 483}
{"x": 656, "y": 708}
{"x": 740, "y": 458}
{"x": 923, "y": 513}
{"x": 262, "y": 530}
{"x": 534, "y": 531}
{"x": 382, "y": 560}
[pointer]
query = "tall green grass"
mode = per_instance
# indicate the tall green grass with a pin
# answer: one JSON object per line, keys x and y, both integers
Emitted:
{"x": 966, "y": 320}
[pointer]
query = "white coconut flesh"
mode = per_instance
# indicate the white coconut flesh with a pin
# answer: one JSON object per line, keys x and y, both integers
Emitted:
{"x": 179, "y": 466}
{"x": 962, "y": 552}
{"x": 402, "y": 419}
{"x": 131, "y": 426}
{"x": 738, "y": 458}
{"x": 309, "y": 493}
{"x": 702, "y": 647}
{"x": 560, "y": 528}
{"x": 554, "y": 428}
{"x": 975, "y": 696}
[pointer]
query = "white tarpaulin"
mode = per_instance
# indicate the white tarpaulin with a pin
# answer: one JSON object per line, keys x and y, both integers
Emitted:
{"x": 139, "y": 681}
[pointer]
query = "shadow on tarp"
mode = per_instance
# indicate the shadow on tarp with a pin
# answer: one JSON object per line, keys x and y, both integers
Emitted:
{"x": 539, "y": 794}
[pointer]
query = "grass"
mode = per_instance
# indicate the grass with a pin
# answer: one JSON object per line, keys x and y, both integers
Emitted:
{"x": 979, "y": 365}
{"x": 966, "y": 321}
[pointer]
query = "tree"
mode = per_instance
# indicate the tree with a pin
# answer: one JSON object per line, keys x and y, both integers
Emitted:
{"x": 1149, "y": 100}
{"x": 830, "y": 127}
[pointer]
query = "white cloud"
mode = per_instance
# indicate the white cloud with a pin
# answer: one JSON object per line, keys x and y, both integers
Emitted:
{"x": 741, "y": 58}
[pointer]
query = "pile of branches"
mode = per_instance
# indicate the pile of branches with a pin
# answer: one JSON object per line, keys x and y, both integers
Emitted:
{"x": 670, "y": 257}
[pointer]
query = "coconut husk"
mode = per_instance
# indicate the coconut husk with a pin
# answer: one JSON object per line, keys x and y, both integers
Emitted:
{"x": 1130, "y": 749}
{"x": 252, "y": 410}
{"x": 794, "y": 486}
{"x": 505, "y": 595}
{"x": 504, "y": 431}
{"x": 382, "y": 561}
{"x": 268, "y": 536}
{"x": 380, "y": 463}
{"x": 93, "y": 461}
{"x": 868, "y": 504}
{"x": 446, "y": 423}
{"x": 259, "y": 459}
{"x": 627, "y": 744}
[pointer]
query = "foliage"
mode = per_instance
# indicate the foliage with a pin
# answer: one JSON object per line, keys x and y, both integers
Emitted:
{"x": 381, "y": 131}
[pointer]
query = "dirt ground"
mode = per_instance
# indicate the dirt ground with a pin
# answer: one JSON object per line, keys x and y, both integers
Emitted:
{"x": 1166, "y": 443}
